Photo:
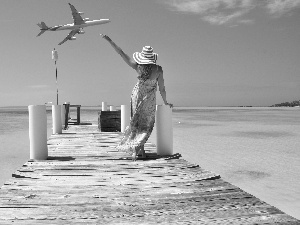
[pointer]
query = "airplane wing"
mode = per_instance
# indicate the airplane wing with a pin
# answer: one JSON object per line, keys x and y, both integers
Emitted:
{"x": 70, "y": 35}
{"x": 76, "y": 16}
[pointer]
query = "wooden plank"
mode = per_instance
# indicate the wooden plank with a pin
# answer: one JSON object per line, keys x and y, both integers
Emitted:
{"x": 87, "y": 181}
{"x": 109, "y": 121}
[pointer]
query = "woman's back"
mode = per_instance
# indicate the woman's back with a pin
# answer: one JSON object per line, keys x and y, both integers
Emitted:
{"x": 148, "y": 72}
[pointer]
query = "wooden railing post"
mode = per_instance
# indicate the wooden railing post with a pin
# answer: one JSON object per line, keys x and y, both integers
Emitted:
{"x": 67, "y": 106}
{"x": 78, "y": 115}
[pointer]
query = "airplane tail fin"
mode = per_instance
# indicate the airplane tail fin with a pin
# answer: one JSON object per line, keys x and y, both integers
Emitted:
{"x": 43, "y": 27}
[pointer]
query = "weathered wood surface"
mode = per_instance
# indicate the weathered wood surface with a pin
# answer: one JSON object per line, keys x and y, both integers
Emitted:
{"x": 109, "y": 121}
{"x": 86, "y": 181}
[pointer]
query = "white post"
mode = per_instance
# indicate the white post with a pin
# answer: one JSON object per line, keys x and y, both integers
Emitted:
{"x": 164, "y": 130}
{"x": 112, "y": 108}
{"x": 104, "y": 106}
{"x": 56, "y": 119}
{"x": 38, "y": 132}
{"x": 125, "y": 117}
{"x": 63, "y": 112}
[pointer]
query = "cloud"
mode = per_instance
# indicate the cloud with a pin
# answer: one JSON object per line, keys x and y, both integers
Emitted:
{"x": 229, "y": 11}
{"x": 246, "y": 21}
{"x": 39, "y": 86}
{"x": 220, "y": 18}
{"x": 280, "y": 7}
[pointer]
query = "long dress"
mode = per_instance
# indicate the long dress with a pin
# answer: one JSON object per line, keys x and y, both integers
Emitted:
{"x": 143, "y": 106}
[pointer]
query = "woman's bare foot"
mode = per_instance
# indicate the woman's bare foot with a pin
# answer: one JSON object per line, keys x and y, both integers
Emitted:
{"x": 141, "y": 152}
{"x": 134, "y": 156}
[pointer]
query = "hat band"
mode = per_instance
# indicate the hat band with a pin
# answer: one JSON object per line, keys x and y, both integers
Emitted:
{"x": 148, "y": 56}
{"x": 139, "y": 58}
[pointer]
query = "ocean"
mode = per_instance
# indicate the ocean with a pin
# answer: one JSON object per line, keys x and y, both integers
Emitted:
{"x": 254, "y": 148}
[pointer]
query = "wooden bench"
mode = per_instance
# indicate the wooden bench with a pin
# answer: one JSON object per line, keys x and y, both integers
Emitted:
{"x": 67, "y": 113}
{"x": 109, "y": 121}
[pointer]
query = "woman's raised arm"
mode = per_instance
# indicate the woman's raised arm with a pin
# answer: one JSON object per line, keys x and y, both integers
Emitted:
{"x": 124, "y": 56}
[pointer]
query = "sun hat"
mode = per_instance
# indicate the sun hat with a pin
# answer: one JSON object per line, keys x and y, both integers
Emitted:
{"x": 147, "y": 56}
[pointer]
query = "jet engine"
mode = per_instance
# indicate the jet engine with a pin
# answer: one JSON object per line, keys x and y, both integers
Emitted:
{"x": 72, "y": 38}
{"x": 81, "y": 32}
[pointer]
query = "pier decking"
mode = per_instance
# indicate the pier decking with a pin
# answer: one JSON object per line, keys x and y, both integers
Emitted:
{"x": 86, "y": 181}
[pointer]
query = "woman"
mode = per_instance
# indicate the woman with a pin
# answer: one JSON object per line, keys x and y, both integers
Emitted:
{"x": 143, "y": 98}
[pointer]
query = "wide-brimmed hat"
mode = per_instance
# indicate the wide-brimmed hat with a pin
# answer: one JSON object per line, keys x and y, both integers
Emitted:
{"x": 147, "y": 56}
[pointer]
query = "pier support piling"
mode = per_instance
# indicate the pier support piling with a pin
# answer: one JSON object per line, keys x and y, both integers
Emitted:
{"x": 104, "y": 106}
{"x": 56, "y": 119}
{"x": 112, "y": 108}
{"x": 125, "y": 117}
{"x": 38, "y": 132}
{"x": 164, "y": 130}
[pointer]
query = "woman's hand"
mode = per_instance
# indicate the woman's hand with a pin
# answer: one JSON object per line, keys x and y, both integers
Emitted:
{"x": 169, "y": 104}
{"x": 105, "y": 37}
{"x": 124, "y": 56}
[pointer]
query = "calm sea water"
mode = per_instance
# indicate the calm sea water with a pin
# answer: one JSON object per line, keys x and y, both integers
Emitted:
{"x": 256, "y": 149}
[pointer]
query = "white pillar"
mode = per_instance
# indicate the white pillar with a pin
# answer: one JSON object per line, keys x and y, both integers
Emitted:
{"x": 63, "y": 112}
{"x": 38, "y": 132}
{"x": 112, "y": 108}
{"x": 104, "y": 106}
{"x": 125, "y": 117}
{"x": 164, "y": 130}
{"x": 56, "y": 119}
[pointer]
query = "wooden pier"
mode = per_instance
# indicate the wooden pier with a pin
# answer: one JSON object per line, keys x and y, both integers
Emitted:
{"x": 86, "y": 181}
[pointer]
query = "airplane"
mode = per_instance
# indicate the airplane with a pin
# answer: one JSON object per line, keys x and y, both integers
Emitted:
{"x": 76, "y": 27}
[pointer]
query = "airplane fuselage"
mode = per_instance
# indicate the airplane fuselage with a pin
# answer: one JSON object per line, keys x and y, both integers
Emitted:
{"x": 73, "y": 27}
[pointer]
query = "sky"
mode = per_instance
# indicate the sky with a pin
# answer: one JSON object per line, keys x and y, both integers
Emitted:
{"x": 213, "y": 52}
